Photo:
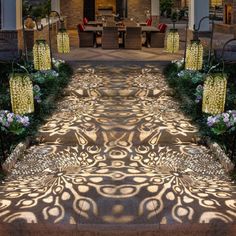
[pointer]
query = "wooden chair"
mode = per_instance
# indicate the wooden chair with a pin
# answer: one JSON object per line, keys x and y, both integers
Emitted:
{"x": 110, "y": 24}
{"x": 86, "y": 39}
{"x": 110, "y": 38}
{"x": 157, "y": 39}
{"x": 133, "y": 38}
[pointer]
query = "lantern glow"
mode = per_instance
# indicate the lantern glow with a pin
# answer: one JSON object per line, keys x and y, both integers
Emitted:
{"x": 172, "y": 41}
{"x": 22, "y": 98}
{"x": 42, "y": 58}
{"x": 194, "y": 55}
{"x": 63, "y": 42}
{"x": 214, "y": 94}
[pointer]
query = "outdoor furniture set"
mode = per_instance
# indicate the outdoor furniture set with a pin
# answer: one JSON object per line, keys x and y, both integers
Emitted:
{"x": 126, "y": 34}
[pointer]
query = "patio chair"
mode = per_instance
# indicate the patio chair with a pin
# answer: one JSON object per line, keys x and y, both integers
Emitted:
{"x": 133, "y": 38}
{"x": 110, "y": 38}
{"x": 149, "y": 22}
{"x": 162, "y": 27}
{"x": 157, "y": 39}
{"x": 110, "y": 24}
{"x": 131, "y": 24}
{"x": 85, "y": 20}
{"x": 86, "y": 39}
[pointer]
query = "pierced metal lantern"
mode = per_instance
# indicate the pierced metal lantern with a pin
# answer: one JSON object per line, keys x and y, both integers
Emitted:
{"x": 214, "y": 94}
{"x": 42, "y": 58}
{"x": 22, "y": 96}
{"x": 172, "y": 41}
{"x": 194, "y": 55}
{"x": 63, "y": 42}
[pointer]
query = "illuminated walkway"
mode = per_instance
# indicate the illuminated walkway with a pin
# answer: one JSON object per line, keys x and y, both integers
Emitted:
{"x": 118, "y": 151}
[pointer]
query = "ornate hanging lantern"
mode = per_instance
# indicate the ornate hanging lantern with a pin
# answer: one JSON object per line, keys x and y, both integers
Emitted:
{"x": 172, "y": 41}
{"x": 214, "y": 94}
{"x": 194, "y": 55}
{"x": 22, "y": 97}
{"x": 63, "y": 41}
{"x": 42, "y": 57}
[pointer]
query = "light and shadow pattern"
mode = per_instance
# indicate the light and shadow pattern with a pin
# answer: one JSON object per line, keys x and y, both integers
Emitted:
{"x": 118, "y": 150}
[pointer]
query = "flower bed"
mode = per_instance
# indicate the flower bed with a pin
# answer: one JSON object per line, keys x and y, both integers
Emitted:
{"x": 46, "y": 85}
{"x": 189, "y": 85}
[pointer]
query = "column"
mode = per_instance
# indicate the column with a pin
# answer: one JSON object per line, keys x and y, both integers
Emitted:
{"x": 11, "y": 14}
{"x": 56, "y": 6}
{"x": 155, "y": 11}
{"x": 197, "y": 10}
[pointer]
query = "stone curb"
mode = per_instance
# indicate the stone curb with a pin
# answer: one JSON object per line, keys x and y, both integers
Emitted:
{"x": 220, "y": 155}
{"x": 21, "y": 147}
{"x": 15, "y": 155}
{"x": 217, "y": 151}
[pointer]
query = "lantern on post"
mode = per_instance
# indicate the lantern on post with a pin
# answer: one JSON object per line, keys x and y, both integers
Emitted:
{"x": 63, "y": 40}
{"x": 21, "y": 90}
{"x": 215, "y": 88}
{"x": 42, "y": 57}
{"x": 39, "y": 27}
{"x": 193, "y": 57}
{"x": 214, "y": 94}
{"x": 172, "y": 40}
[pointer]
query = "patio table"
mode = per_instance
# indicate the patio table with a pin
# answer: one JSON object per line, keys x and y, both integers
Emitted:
{"x": 142, "y": 24}
{"x": 120, "y": 29}
{"x": 145, "y": 29}
{"x": 95, "y": 23}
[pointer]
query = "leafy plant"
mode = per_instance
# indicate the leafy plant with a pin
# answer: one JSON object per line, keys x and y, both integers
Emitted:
{"x": 47, "y": 88}
{"x": 12, "y": 123}
{"x": 39, "y": 11}
{"x": 222, "y": 123}
{"x": 166, "y": 7}
{"x": 188, "y": 87}
{"x": 199, "y": 93}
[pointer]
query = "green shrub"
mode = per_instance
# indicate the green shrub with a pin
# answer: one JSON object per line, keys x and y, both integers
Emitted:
{"x": 48, "y": 86}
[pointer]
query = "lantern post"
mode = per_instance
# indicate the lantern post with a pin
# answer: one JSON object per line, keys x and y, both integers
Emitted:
{"x": 222, "y": 58}
{"x": 62, "y": 36}
{"x": 196, "y": 30}
{"x": 186, "y": 39}
{"x": 193, "y": 56}
{"x": 39, "y": 28}
{"x": 172, "y": 44}
{"x": 2, "y": 149}
{"x": 214, "y": 94}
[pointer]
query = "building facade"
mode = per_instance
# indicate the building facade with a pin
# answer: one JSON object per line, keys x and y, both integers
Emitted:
{"x": 230, "y": 12}
{"x": 75, "y": 10}
{"x": 185, "y": 3}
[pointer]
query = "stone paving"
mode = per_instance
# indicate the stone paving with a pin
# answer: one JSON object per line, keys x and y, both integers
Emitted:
{"x": 118, "y": 158}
